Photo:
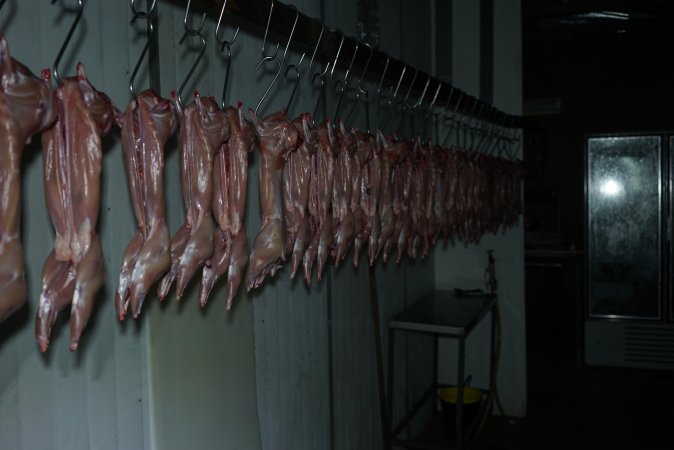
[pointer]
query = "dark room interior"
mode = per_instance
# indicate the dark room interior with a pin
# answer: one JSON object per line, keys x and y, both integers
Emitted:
{"x": 590, "y": 68}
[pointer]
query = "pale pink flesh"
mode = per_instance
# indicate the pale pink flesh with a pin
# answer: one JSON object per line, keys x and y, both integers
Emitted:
{"x": 390, "y": 156}
{"x": 296, "y": 178}
{"x": 146, "y": 126}
{"x": 373, "y": 187}
{"x": 427, "y": 226}
{"x": 418, "y": 236}
{"x": 26, "y": 108}
{"x": 360, "y": 199}
{"x": 230, "y": 176}
{"x": 325, "y": 171}
{"x": 342, "y": 190}
{"x": 277, "y": 137}
{"x": 203, "y": 130}
{"x": 440, "y": 194}
{"x": 313, "y": 223}
{"x": 402, "y": 176}
{"x": 72, "y": 156}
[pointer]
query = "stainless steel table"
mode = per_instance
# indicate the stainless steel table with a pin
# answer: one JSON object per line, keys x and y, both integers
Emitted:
{"x": 441, "y": 313}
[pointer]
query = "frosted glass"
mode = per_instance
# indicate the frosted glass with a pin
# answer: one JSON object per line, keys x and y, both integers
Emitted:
{"x": 624, "y": 226}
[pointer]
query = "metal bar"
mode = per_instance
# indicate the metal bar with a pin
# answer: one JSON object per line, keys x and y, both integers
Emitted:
{"x": 413, "y": 411}
{"x": 459, "y": 397}
{"x": 435, "y": 369}
{"x": 253, "y": 13}
{"x": 391, "y": 367}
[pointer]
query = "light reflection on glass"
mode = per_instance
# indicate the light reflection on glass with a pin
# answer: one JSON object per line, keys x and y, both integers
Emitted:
{"x": 611, "y": 188}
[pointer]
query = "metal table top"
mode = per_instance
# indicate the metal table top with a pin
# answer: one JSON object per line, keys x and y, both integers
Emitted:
{"x": 442, "y": 312}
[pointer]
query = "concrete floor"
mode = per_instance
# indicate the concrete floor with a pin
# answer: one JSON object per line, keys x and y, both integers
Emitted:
{"x": 580, "y": 408}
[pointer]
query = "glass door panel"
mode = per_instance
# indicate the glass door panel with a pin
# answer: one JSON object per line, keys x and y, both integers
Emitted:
{"x": 624, "y": 226}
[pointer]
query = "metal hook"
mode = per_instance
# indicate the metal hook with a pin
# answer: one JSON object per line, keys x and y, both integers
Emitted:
{"x": 189, "y": 31}
{"x": 55, "y": 68}
{"x": 290, "y": 37}
{"x": 264, "y": 40}
{"x": 435, "y": 96}
{"x": 295, "y": 67}
{"x": 429, "y": 113}
{"x": 389, "y": 99}
{"x": 202, "y": 50}
{"x": 297, "y": 82}
{"x": 320, "y": 75}
{"x": 225, "y": 45}
{"x": 265, "y": 58}
{"x": 365, "y": 67}
{"x": 150, "y": 36}
{"x": 223, "y": 42}
{"x": 402, "y": 74}
{"x": 404, "y": 102}
{"x": 339, "y": 50}
{"x": 344, "y": 83}
{"x": 341, "y": 87}
{"x": 381, "y": 80}
{"x": 313, "y": 55}
{"x": 423, "y": 94}
{"x": 362, "y": 92}
{"x": 139, "y": 14}
{"x": 278, "y": 72}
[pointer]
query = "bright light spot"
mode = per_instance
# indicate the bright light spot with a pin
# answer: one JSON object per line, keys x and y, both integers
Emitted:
{"x": 611, "y": 188}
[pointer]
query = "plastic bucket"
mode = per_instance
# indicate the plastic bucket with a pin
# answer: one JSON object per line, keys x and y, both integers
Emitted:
{"x": 472, "y": 398}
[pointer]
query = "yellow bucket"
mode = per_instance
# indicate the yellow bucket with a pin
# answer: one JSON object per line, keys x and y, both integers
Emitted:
{"x": 472, "y": 399}
{"x": 451, "y": 394}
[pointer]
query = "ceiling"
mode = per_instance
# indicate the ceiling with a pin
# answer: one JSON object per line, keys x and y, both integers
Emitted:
{"x": 570, "y": 19}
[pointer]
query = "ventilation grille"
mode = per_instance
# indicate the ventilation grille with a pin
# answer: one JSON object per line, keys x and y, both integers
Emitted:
{"x": 648, "y": 344}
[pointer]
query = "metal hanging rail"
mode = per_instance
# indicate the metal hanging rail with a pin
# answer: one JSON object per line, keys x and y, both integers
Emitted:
{"x": 255, "y": 12}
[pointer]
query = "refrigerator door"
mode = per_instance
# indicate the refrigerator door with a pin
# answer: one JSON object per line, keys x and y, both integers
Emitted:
{"x": 624, "y": 226}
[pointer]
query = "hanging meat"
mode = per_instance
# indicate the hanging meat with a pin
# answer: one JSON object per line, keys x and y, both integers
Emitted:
{"x": 146, "y": 125}
{"x": 296, "y": 177}
{"x": 416, "y": 199}
{"x": 230, "y": 178}
{"x": 390, "y": 156}
{"x": 203, "y": 129}
{"x": 403, "y": 173}
{"x": 342, "y": 189}
{"x": 26, "y": 108}
{"x": 361, "y": 196}
{"x": 371, "y": 187}
{"x": 453, "y": 177}
{"x": 277, "y": 137}
{"x": 74, "y": 270}
{"x": 320, "y": 199}
{"x": 423, "y": 188}
{"x": 439, "y": 223}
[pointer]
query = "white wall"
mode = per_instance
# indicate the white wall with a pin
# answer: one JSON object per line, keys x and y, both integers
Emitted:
{"x": 463, "y": 266}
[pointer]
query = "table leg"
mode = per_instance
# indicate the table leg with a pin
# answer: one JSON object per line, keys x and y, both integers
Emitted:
{"x": 459, "y": 397}
{"x": 391, "y": 351}
{"x": 435, "y": 373}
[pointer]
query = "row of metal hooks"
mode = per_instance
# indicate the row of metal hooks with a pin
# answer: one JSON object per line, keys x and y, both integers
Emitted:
{"x": 460, "y": 130}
